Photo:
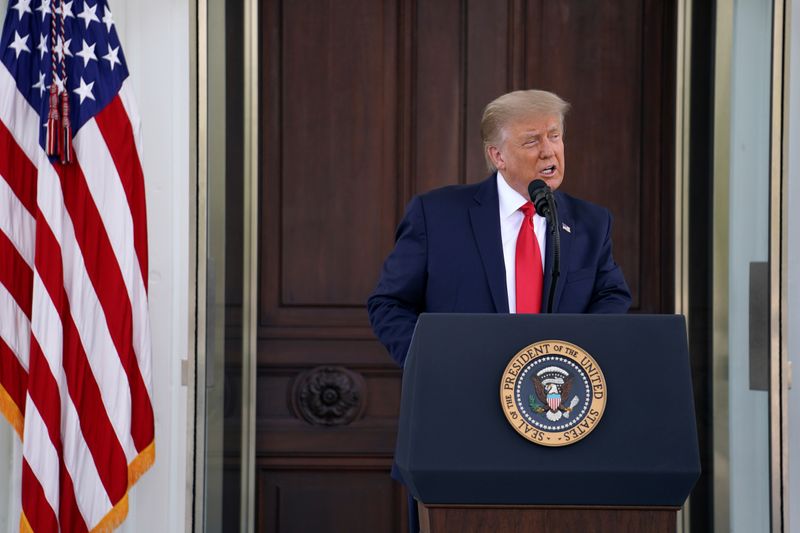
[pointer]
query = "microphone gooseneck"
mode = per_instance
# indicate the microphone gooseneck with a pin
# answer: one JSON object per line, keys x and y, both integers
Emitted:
{"x": 545, "y": 204}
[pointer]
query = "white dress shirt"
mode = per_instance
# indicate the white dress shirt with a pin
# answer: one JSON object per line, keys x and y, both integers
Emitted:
{"x": 510, "y": 221}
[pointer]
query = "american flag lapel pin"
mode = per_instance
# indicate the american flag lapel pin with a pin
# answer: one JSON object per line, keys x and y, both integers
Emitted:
{"x": 566, "y": 228}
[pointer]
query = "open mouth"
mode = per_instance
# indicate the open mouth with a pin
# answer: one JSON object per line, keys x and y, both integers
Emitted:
{"x": 548, "y": 171}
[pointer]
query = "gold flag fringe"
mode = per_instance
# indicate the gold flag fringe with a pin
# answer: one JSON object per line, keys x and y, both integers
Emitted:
{"x": 24, "y": 525}
{"x": 114, "y": 518}
{"x": 141, "y": 464}
{"x": 11, "y": 411}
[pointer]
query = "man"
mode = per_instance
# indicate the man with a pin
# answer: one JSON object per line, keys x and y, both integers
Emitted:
{"x": 459, "y": 248}
{"x": 483, "y": 249}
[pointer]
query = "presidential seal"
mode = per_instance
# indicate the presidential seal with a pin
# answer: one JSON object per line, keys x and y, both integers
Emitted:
{"x": 553, "y": 393}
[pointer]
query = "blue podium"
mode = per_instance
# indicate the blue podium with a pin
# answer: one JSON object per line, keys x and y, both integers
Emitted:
{"x": 470, "y": 469}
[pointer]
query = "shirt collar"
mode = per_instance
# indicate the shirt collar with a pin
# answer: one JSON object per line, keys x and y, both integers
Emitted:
{"x": 510, "y": 200}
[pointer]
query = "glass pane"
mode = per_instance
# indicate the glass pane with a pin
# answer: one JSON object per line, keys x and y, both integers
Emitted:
{"x": 224, "y": 268}
{"x": 748, "y": 263}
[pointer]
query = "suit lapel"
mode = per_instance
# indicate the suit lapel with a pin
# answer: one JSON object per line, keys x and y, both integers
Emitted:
{"x": 485, "y": 219}
{"x": 565, "y": 221}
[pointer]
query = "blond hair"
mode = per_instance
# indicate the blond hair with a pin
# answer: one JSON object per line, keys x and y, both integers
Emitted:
{"x": 513, "y": 106}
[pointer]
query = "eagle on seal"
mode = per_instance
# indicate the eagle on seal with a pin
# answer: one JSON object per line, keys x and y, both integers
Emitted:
{"x": 552, "y": 386}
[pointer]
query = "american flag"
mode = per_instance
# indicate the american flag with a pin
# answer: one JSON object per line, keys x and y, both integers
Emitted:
{"x": 74, "y": 334}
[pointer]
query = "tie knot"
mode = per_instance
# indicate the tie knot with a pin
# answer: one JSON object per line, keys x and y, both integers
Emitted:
{"x": 528, "y": 209}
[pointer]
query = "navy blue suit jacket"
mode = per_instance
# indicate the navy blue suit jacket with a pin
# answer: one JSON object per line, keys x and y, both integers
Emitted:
{"x": 448, "y": 258}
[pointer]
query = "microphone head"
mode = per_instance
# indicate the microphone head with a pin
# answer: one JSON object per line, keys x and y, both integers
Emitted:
{"x": 538, "y": 191}
{"x": 535, "y": 185}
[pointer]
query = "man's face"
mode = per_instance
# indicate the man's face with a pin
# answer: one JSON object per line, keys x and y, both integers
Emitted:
{"x": 532, "y": 148}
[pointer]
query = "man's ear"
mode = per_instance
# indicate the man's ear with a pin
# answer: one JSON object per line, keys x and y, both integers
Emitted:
{"x": 496, "y": 156}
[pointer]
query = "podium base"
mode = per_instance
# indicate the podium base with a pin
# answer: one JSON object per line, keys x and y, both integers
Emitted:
{"x": 555, "y": 519}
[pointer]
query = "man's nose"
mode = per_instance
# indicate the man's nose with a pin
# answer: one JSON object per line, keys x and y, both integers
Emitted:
{"x": 546, "y": 150}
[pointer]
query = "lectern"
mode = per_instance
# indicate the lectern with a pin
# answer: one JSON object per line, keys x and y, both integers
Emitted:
{"x": 470, "y": 469}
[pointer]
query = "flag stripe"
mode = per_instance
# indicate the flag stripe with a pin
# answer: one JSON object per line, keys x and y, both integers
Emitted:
{"x": 104, "y": 187}
{"x": 106, "y": 277}
{"x": 42, "y": 457}
{"x": 14, "y": 377}
{"x": 40, "y": 515}
{"x": 105, "y": 182}
{"x": 116, "y": 129}
{"x": 14, "y": 327}
{"x": 16, "y": 382}
{"x": 17, "y": 170}
{"x": 132, "y": 111}
{"x": 69, "y": 516}
{"x": 93, "y": 500}
{"x": 51, "y": 456}
{"x": 16, "y": 222}
{"x": 18, "y": 116}
{"x": 16, "y": 275}
{"x": 44, "y": 393}
{"x": 43, "y": 443}
{"x": 39, "y": 449}
{"x": 88, "y": 316}
{"x": 84, "y": 392}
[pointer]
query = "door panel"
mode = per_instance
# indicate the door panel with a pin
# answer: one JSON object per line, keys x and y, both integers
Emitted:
{"x": 314, "y": 500}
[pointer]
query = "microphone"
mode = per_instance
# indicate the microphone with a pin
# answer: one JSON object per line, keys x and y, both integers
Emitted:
{"x": 539, "y": 193}
{"x": 542, "y": 198}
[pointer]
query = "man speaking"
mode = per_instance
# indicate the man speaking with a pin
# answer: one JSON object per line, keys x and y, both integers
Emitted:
{"x": 484, "y": 248}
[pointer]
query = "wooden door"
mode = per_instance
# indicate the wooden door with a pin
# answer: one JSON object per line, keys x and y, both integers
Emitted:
{"x": 365, "y": 103}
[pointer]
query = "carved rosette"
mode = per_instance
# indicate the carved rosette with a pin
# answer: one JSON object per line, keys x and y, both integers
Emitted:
{"x": 329, "y": 396}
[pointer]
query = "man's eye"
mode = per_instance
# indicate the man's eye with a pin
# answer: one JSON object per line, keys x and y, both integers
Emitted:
{"x": 530, "y": 142}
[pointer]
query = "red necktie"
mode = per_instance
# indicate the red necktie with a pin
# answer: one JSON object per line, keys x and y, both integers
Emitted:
{"x": 528, "y": 264}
